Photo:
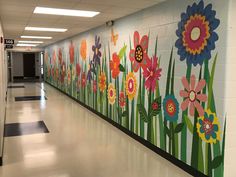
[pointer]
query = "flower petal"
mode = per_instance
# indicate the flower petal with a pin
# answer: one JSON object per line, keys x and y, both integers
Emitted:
{"x": 136, "y": 39}
{"x": 201, "y": 84}
{"x": 202, "y": 97}
{"x": 135, "y": 66}
{"x": 192, "y": 109}
{"x": 144, "y": 42}
{"x": 199, "y": 108}
{"x": 185, "y": 83}
{"x": 183, "y": 93}
{"x": 184, "y": 104}
{"x": 192, "y": 82}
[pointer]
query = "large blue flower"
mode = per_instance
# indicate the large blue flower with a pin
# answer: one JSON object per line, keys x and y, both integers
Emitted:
{"x": 196, "y": 33}
{"x": 171, "y": 108}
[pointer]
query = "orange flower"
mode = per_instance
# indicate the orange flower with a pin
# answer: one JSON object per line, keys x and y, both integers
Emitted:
{"x": 102, "y": 82}
{"x": 54, "y": 57}
{"x": 60, "y": 55}
{"x": 83, "y": 49}
{"x": 72, "y": 53}
{"x": 114, "y": 65}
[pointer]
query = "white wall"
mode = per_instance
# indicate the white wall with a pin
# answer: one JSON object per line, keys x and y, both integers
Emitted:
{"x": 230, "y": 148}
{"x": 3, "y": 89}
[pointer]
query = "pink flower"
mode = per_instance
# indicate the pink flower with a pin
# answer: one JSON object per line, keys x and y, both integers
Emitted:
{"x": 192, "y": 95}
{"x": 152, "y": 73}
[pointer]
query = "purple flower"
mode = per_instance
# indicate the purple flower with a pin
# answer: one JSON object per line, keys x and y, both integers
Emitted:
{"x": 97, "y": 54}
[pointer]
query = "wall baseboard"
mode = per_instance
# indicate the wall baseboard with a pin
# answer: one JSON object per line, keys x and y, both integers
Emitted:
{"x": 187, "y": 168}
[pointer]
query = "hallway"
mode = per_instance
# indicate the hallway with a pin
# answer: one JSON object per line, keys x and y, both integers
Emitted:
{"x": 79, "y": 143}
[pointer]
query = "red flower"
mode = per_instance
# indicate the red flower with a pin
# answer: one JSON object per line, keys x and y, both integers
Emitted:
{"x": 63, "y": 71}
{"x": 60, "y": 55}
{"x": 72, "y": 53}
{"x": 138, "y": 56}
{"x": 122, "y": 99}
{"x": 78, "y": 69}
{"x": 83, "y": 82}
{"x": 54, "y": 57}
{"x": 155, "y": 106}
{"x": 152, "y": 73}
{"x": 114, "y": 65}
{"x": 94, "y": 86}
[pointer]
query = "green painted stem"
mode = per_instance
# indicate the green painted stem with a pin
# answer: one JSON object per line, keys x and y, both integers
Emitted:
{"x": 149, "y": 128}
{"x": 195, "y": 145}
{"x": 172, "y": 137}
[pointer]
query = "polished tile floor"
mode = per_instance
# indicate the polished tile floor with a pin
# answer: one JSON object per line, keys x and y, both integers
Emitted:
{"x": 79, "y": 144}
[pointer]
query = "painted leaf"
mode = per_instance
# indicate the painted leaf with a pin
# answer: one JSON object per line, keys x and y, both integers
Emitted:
{"x": 124, "y": 114}
{"x": 179, "y": 127}
{"x": 217, "y": 161}
{"x": 189, "y": 124}
{"x": 122, "y": 52}
{"x": 121, "y": 67}
{"x": 167, "y": 131}
{"x": 156, "y": 107}
{"x": 143, "y": 113}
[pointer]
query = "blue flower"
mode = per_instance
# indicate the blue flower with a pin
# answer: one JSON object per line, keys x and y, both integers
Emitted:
{"x": 171, "y": 108}
{"x": 208, "y": 127}
{"x": 196, "y": 33}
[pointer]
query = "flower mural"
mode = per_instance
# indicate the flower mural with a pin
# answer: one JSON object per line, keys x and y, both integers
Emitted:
{"x": 131, "y": 85}
{"x": 114, "y": 65}
{"x": 138, "y": 56}
{"x": 152, "y": 73}
{"x": 96, "y": 51}
{"x": 83, "y": 49}
{"x": 72, "y": 52}
{"x": 139, "y": 92}
{"x": 171, "y": 108}
{"x": 208, "y": 127}
{"x": 196, "y": 33}
{"x": 192, "y": 95}
{"x": 102, "y": 82}
{"x": 111, "y": 94}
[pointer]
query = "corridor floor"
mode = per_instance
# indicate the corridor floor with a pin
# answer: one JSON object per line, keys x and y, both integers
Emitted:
{"x": 79, "y": 143}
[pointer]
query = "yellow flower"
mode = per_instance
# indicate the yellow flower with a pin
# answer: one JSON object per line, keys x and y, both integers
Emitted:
{"x": 111, "y": 93}
{"x": 208, "y": 127}
{"x": 83, "y": 49}
{"x": 130, "y": 85}
{"x": 102, "y": 81}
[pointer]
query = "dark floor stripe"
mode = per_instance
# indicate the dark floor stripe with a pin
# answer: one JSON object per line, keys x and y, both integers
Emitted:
{"x": 16, "y": 86}
{"x": 18, "y": 129}
{"x": 30, "y": 98}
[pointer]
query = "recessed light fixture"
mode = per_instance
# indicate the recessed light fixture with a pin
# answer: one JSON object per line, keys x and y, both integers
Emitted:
{"x": 29, "y": 28}
{"x": 36, "y": 37}
{"x": 31, "y": 42}
{"x": 26, "y": 45}
{"x": 65, "y": 12}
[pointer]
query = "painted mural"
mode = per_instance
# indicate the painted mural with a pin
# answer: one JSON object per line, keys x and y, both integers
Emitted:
{"x": 120, "y": 78}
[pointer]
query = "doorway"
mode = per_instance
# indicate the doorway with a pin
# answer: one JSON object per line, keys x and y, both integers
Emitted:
{"x": 29, "y": 65}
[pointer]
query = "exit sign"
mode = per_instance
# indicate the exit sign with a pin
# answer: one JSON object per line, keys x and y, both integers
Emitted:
{"x": 9, "y": 41}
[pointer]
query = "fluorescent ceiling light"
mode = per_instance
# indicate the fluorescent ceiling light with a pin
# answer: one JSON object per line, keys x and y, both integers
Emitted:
{"x": 29, "y": 28}
{"x": 26, "y": 45}
{"x": 36, "y": 37}
{"x": 65, "y": 12}
{"x": 31, "y": 42}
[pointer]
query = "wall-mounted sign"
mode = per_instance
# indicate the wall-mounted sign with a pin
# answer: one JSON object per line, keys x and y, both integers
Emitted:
{"x": 9, "y": 41}
{"x": 8, "y": 46}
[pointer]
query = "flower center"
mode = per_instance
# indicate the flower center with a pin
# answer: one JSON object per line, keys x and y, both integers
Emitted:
{"x": 131, "y": 85}
{"x": 151, "y": 73}
{"x": 111, "y": 93}
{"x": 208, "y": 127}
{"x": 195, "y": 33}
{"x": 192, "y": 96}
{"x": 139, "y": 54}
{"x": 115, "y": 66}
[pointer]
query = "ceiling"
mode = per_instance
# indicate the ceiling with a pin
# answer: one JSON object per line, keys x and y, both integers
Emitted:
{"x": 17, "y": 14}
